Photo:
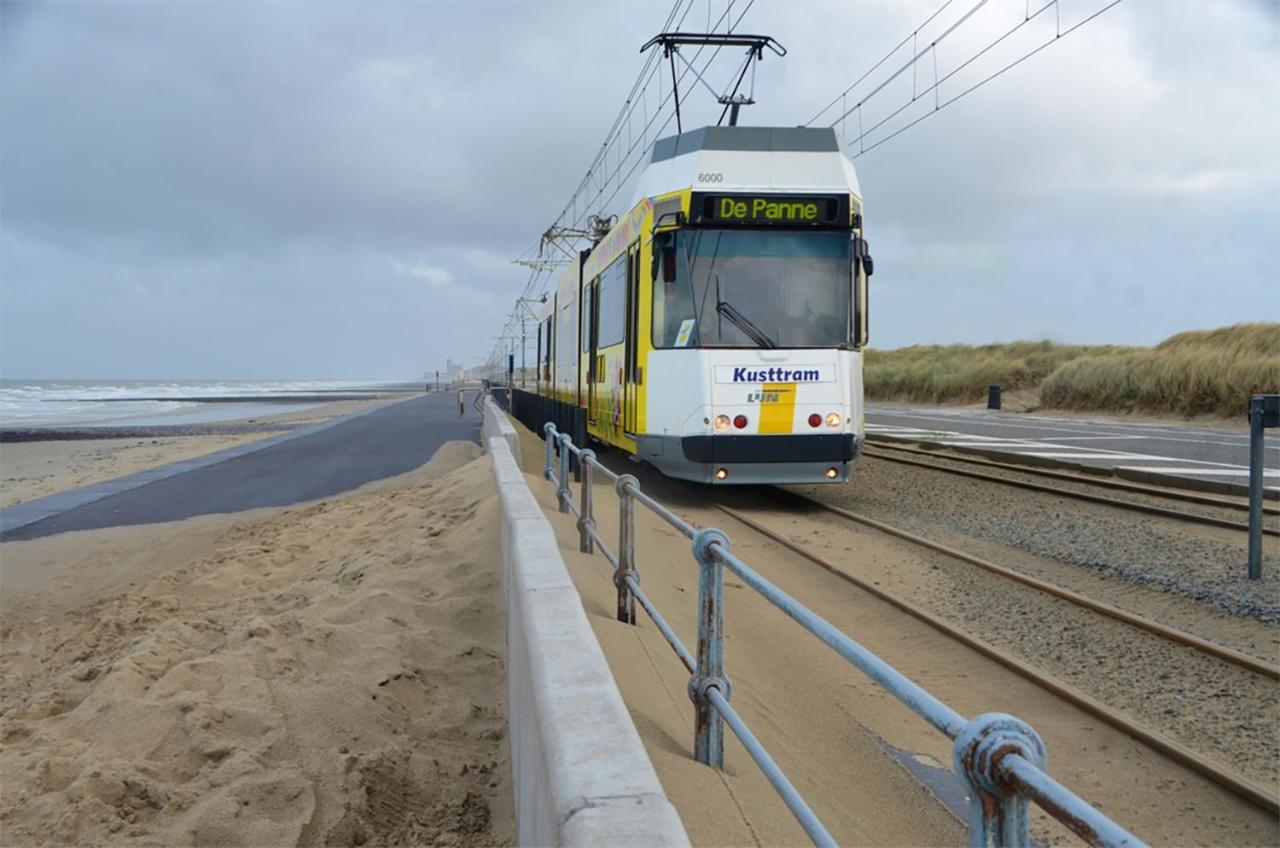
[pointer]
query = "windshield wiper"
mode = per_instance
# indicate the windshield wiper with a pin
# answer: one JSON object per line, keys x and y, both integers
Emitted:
{"x": 743, "y": 323}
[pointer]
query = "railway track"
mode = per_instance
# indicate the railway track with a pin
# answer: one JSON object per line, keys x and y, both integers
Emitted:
{"x": 1235, "y": 782}
{"x": 885, "y": 452}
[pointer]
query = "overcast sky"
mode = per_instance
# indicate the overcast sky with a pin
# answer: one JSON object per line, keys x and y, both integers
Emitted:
{"x": 242, "y": 190}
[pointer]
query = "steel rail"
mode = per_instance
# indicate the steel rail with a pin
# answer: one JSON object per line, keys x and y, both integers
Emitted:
{"x": 1084, "y": 496}
{"x": 1199, "y": 643}
{"x": 1228, "y": 779}
{"x": 1083, "y": 479}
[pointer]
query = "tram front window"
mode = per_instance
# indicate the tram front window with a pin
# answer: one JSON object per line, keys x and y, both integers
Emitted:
{"x": 754, "y": 288}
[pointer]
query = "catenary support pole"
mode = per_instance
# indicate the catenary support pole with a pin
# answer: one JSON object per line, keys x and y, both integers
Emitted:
{"x": 1255, "y": 486}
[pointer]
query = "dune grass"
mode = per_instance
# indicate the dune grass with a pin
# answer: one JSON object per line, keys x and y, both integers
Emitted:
{"x": 1202, "y": 372}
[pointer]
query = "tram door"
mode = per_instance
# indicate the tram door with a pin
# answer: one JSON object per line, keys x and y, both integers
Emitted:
{"x": 630, "y": 373}
{"x": 591, "y": 343}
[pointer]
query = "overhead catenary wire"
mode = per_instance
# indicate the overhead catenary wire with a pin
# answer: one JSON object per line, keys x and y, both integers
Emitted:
{"x": 937, "y": 108}
{"x": 601, "y": 176}
{"x": 933, "y": 46}
{"x": 613, "y": 178}
{"x": 883, "y": 59}
{"x": 862, "y": 142}
{"x": 539, "y": 276}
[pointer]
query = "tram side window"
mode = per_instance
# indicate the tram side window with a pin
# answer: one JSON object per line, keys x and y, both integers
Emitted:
{"x": 566, "y": 352}
{"x": 587, "y": 317}
{"x": 613, "y": 298}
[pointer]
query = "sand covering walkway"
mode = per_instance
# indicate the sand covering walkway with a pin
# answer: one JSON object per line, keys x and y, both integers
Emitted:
{"x": 843, "y": 740}
{"x": 329, "y": 673}
{"x": 792, "y": 692}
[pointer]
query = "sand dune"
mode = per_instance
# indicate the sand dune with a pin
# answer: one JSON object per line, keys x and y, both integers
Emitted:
{"x": 326, "y": 674}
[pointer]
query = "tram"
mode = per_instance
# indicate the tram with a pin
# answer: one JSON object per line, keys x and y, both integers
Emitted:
{"x": 715, "y": 331}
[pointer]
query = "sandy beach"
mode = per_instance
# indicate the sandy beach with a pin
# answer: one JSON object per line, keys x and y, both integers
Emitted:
{"x": 327, "y": 673}
{"x": 33, "y": 469}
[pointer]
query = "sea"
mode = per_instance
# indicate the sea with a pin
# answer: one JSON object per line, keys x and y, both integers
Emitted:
{"x": 121, "y": 403}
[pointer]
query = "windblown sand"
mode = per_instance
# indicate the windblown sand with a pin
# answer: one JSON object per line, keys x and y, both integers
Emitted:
{"x": 329, "y": 673}
{"x": 843, "y": 740}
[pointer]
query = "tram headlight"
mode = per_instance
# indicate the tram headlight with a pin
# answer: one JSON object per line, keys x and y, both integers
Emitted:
{"x": 832, "y": 474}
{"x": 722, "y": 473}
{"x": 722, "y": 422}
{"x": 833, "y": 419}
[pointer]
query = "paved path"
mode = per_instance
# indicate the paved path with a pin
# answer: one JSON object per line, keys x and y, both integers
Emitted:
{"x": 1152, "y": 449}
{"x": 315, "y": 463}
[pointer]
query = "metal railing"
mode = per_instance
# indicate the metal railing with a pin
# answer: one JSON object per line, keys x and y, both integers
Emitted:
{"x": 1000, "y": 758}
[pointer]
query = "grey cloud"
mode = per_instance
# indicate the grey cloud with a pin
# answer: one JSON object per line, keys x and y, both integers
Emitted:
{"x": 293, "y": 188}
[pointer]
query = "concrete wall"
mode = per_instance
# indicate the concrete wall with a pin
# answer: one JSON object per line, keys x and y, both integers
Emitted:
{"x": 497, "y": 424}
{"x": 580, "y": 773}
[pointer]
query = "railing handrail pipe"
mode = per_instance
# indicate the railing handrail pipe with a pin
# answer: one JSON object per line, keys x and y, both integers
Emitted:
{"x": 1000, "y": 757}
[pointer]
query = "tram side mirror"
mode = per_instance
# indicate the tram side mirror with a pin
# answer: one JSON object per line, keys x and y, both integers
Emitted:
{"x": 669, "y": 262}
{"x": 861, "y": 253}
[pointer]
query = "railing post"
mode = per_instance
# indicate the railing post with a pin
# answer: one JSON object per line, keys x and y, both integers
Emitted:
{"x": 1255, "y": 486}
{"x": 549, "y": 432}
{"x": 626, "y": 547}
{"x": 563, "y": 493}
{"x": 585, "y": 521}
{"x": 708, "y": 725}
{"x": 997, "y": 813}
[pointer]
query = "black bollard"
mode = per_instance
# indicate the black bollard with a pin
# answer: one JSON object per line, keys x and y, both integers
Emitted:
{"x": 993, "y": 396}
{"x": 1264, "y": 412}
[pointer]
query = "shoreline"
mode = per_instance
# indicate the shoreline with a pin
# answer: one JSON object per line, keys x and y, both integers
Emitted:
{"x": 209, "y": 415}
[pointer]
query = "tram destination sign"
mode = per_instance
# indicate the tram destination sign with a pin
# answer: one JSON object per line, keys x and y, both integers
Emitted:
{"x": 774, "y": 210}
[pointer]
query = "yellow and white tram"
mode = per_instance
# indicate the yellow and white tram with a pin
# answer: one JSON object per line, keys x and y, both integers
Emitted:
{"x": 715, "y": 332}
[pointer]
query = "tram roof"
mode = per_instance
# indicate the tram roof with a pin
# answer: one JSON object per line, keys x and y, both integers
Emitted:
{"x": 762, "y": 139}
{"x": 765, "y": 159}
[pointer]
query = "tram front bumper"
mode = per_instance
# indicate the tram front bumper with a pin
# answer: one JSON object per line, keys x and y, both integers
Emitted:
{"x": 753, "y": 459}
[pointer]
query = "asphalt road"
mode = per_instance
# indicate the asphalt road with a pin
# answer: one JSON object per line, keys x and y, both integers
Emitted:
{"x": 387, "y": 441}
{"x": 1163, "y": 449}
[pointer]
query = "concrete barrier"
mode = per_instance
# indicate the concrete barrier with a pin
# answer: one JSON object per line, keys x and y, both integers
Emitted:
{"x": 580, "y": 773}
{"x": 496, "y": 424}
